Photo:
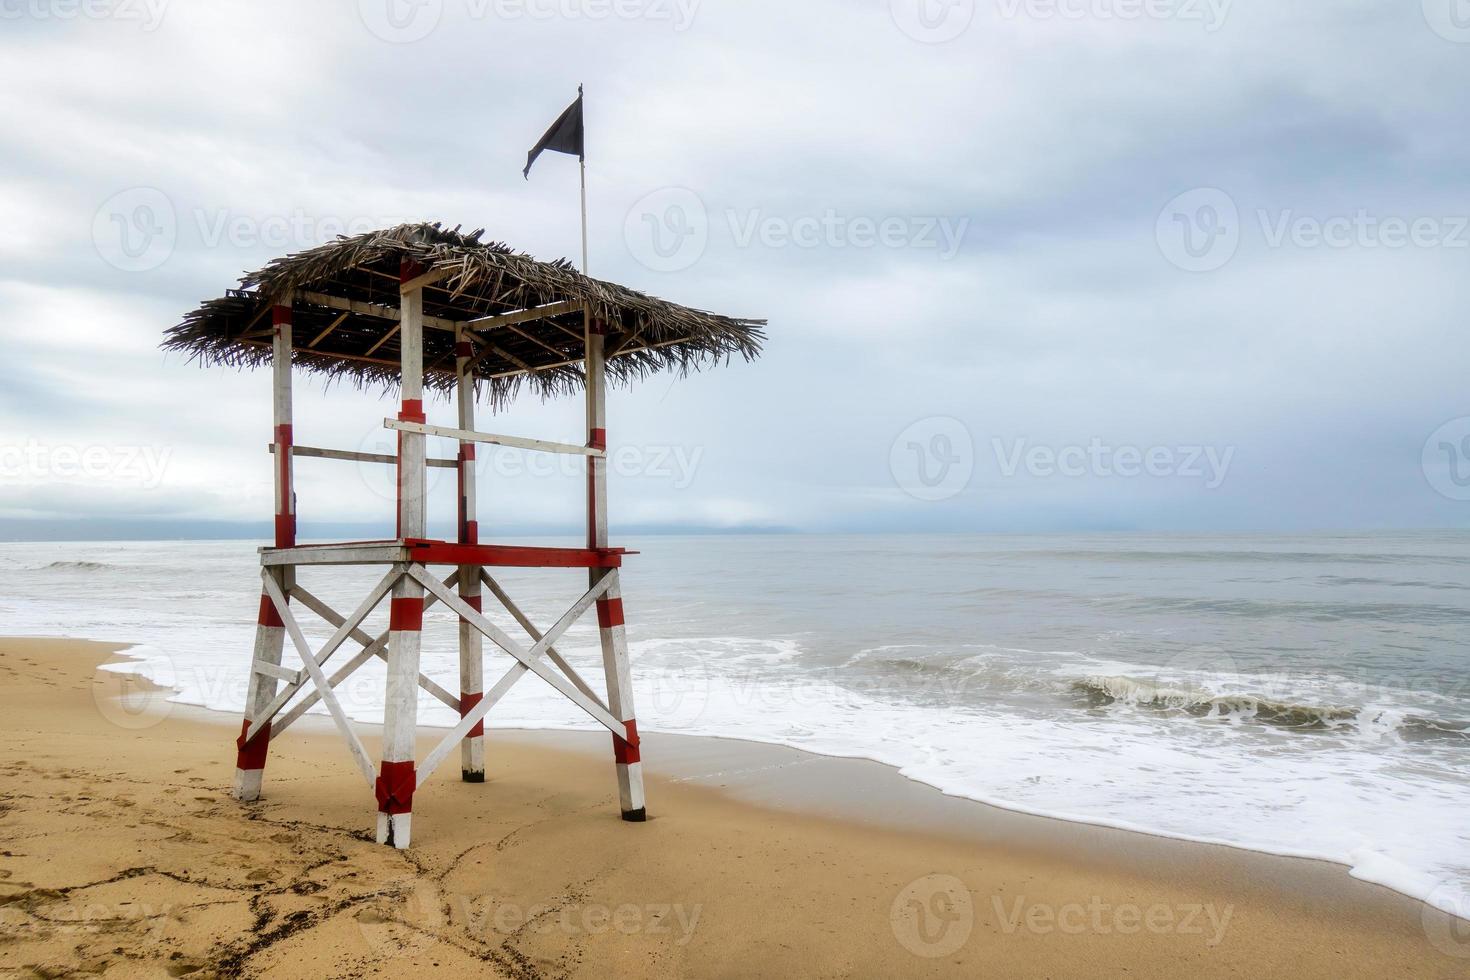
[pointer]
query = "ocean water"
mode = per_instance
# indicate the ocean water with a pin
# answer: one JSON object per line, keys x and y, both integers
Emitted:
{"x": 1301, "y": 695}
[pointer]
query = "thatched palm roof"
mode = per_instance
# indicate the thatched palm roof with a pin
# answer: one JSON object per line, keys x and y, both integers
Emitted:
{"x": 645, "y": 334}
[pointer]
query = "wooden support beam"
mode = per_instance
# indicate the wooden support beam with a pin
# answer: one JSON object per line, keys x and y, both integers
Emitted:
{"x": 285, "y": 696}
{"x": 375, "y": 648}
{"x": 427, "y": 279}
{"x": 330, "y": 327}
{"x": 370, "y": 309}
{"x": 514, "y": 442}
{"x": 341, "y": 454}
{"x": 527, "y": 660}
{"x": 344, "y": 725}
{"x": 536, "y": 635}
{"x": 481, "y": 324}
{"x": 532, "y": 662}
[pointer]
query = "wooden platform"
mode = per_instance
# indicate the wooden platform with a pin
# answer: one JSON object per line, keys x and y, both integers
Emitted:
{"x": 422, "y": 551}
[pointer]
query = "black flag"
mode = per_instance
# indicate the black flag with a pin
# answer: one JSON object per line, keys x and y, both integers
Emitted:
{"x": 564, "y": 136}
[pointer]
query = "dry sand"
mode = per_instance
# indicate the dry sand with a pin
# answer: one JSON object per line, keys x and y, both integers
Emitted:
{"x": 123, "y": 855}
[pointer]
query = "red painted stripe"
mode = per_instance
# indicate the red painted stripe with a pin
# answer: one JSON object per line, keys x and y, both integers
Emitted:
{"x": 609, "y": 613}
{"x": 394, "y": 787}
{"x": 280, "y": 316}
{"x": 467, "y": 453}
{"x": 251, "y": 755}
{"x": 286, "y": 520}
{"x": 474, "y": 602}
{"x": 467, "y": 704}
{"x": 406, "y": 614}
{"x": 409, "y": 269}
{"x": 412, "y": 411}
{"x": 598, "y": 440}
{"x": 599, "y": 326}
{"x": 427, "y": 552}
{"x": 464, "y": 348}
{"x": 625, "y": 750}
{"x": 268, "y": 615}
{"x": 471, "y": 532}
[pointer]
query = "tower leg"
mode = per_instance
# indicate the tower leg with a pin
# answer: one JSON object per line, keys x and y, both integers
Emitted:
{"x": 620, "y": 701}
{"x": 270, "y": 641}
{"x": 396, "y": 777}
{"x": 471, "y": 678}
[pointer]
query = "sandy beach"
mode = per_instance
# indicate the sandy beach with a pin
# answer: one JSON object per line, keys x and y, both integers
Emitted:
{"x": 123, "y": 855}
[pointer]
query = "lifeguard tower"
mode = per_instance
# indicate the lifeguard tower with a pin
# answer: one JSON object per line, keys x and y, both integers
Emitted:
{"x": 419, "y": 306}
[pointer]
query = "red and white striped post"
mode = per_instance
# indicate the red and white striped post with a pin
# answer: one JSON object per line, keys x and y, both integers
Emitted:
{"x": 270, "y": 631}
{"x": 471, "y": 649}
{"x": 397, "y": 779}
{"x": 610, "y": 606}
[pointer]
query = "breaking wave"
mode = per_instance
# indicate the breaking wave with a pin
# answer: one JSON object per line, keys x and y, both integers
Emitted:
{"x": 1101, "y": 691}
{"x": 78, "y": 566}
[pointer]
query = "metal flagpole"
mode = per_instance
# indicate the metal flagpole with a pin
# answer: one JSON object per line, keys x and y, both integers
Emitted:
{"x": 583, "y": 159}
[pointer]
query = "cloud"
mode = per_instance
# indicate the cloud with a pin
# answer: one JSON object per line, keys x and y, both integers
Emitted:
{"x": 1057, "y": 316}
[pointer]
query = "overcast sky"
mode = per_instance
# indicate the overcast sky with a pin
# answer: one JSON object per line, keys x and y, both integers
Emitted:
{"x": 1028, "y": 264}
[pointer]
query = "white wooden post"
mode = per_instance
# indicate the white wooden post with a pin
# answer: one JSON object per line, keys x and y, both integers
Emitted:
{"x": 396, "y": 777}
{"x": 471, "y": 650}
{"x": 610, "y": 606}
{"x": 270, "y": 631}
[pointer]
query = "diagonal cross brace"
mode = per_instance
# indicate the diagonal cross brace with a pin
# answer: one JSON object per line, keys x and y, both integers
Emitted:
{"x": 528, "y": 661}
{"x": 535, "y": 634}
{"x": 314, "y": 667}
{"x": 371, "y": 648}
{"x": 329, "y": 614}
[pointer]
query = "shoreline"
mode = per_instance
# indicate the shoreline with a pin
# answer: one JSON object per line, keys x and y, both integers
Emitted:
{"x": 761, "y": 823}
{"x": 696, "y": 749}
